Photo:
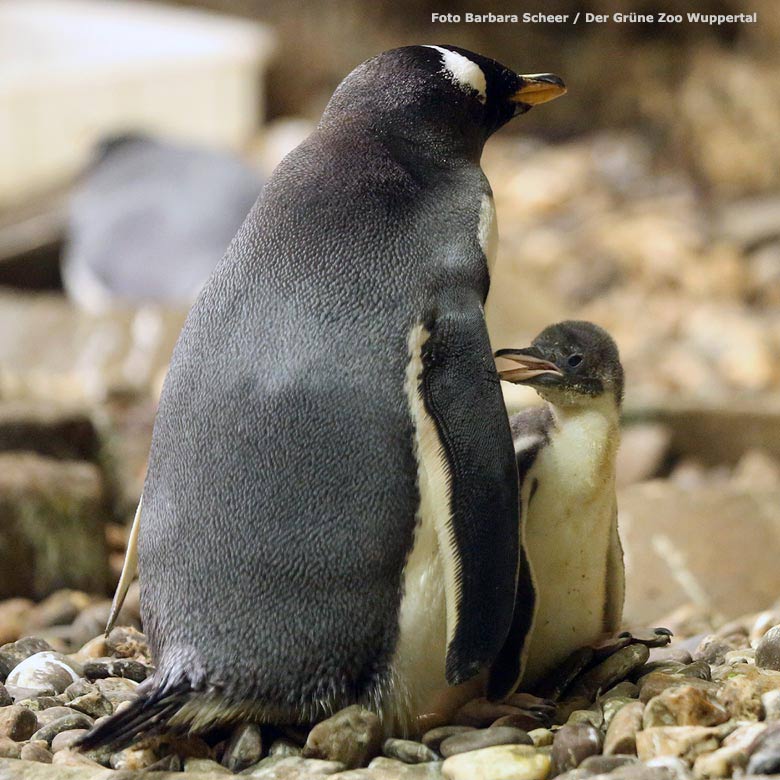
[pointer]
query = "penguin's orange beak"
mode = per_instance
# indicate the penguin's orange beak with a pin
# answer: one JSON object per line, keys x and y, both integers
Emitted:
{"x": 539, "y": 88}
{"x": 522, "y": 365}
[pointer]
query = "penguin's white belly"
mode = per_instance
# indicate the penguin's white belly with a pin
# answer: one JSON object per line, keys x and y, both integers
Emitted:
{"x": 568, "y": 536}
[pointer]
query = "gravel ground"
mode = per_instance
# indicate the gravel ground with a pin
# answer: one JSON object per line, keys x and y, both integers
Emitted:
{"x": 633, "y": 706}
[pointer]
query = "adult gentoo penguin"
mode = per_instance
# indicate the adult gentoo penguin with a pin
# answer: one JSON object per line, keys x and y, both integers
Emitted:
{"x": 330, "y": 511}
{"x": 565, "y": 453}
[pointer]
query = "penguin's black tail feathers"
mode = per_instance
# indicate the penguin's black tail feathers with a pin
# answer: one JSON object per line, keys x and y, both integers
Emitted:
{"x": 145, "y": 717}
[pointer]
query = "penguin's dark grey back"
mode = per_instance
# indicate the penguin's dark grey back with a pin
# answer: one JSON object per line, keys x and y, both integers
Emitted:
{"x": 282, "y": 459}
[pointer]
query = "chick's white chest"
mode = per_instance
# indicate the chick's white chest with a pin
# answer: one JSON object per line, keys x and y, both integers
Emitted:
{"x": 569, "y": 502}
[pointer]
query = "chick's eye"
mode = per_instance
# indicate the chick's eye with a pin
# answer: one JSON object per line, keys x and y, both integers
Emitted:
{"x": 574, "y": 360}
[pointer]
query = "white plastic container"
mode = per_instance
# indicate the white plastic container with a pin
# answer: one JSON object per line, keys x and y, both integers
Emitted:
{"x": 72, "y": 71}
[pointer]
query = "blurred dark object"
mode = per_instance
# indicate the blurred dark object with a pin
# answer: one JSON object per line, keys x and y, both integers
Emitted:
{"x": 150, "y": 221}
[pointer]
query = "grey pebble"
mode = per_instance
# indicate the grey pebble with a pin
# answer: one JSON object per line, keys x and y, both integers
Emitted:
{"x": 768, "y": 650}
{"x": 434, "y": 737}
{"x": 42, "y": 673}
{"x": 67, "y": 739}
{"x": 771, "y": 704}
{"x": 623, "y": 690}
{"x": 244, "y": 748}
{"x": 204, "y": 765}
{"x": 93, "y": 704}
{"x": 17, "y": 722}
{"x": 574, "y": 742}
{"x": 603, "y": 765}
{"x": 764, "y": 753}
{"x": 50, "y": 714}
{"x": 5, "y": 697}
{"x": 616, "y": 668}
{"x": 670, "y": 653}
{"x": 14, "y": 653}
{"x": 77, "y": 720}
{"x": 39, "y": 703}
{"x": 80, "y": 688}
{"x": 10, "y": 748}
{"x": 408, "y": 751}
{"x": 474, "y": 740}
{"x": 126, "y": 668}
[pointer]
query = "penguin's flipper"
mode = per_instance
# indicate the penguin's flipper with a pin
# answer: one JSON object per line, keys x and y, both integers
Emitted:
{"x": 129, "y": 568}
{"x": 469, "y": 478}
{"x": 616, "y": 579}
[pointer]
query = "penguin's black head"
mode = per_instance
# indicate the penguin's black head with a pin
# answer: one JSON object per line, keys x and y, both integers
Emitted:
{"x": 438, "y": 97}
{"x": 570, "y": 362}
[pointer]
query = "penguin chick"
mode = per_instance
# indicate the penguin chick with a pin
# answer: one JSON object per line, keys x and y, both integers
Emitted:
{"x": 565, "y": 452}
{"x": 330, "y": 510}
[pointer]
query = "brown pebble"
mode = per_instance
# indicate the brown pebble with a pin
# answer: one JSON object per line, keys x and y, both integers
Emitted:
{"x": 482, "y": 738}
{"x": 768, "y": 650}
{"x": 353, "y": 736}
{"x": 36, "y": 751}
{"x": 520, "y": 720}
{"x": 621, "y": 734}
{"x": 9, "y": 748}
{"x": 573, "y": 743}
{"x": 435, "y": 737}
{"x": 66, "y": 739}
{"x": 17, "y": 722}
{"x": 481, "y": 712}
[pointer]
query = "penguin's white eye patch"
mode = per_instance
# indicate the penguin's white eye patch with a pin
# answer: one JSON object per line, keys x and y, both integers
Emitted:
{"x": 463, "y": 72}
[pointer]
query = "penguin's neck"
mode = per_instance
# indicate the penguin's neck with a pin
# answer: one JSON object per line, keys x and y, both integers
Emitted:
{"x": 586, "y": 436}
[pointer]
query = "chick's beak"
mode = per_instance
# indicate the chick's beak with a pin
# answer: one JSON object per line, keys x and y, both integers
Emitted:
{"x": 524, "y": 365}
{"x": 539, "y": 88}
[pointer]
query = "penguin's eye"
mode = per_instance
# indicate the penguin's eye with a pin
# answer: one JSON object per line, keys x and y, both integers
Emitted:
{"x": 574, "y": 360}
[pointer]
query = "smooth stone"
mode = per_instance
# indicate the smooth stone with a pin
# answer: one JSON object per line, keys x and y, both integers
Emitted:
{"x": 39, "y": 703}
{"x": 408, "y": 751}
{"x": 17, "y": 723}
{"x": 685, "y": 742}
{"x": 593, "y": 716}
{"x": 133, "y": 758}
{"x": 480, "y": 713}
{"x": 541, "y": 737}
{"x": 603, "y": 765}
{"x": 616, "y": 668}
{"x": 435, "y": 737}
{"x": 482, "y": 738}
{"x": 74, "y": 757}
{"x": 80, "y": 688}
{"x": 352, "y": 737}
{"x": 722, "y": 762}
{"x": 770, "y": 701}
{"x": 36, "y": 751}
{"x": 684, "y": 706}
{"x": 670, "y": 653}
{"x": 661, "y": 768}
{"x": 622, "y": 730}
{"x": 204, "y": 765}
{"x": 610, "y": 708}
{"x": 89, "y": 651}
{"x": 76, "y": 721}
{"x": 746, "y": 655}
{"x": 653, "y": 684}
{"x": 293, "y": 768}
{"x": 523, "y": 720}
{"x": 713, "y": 649}
{"x": 50, "y": 714}
{"x": 572, "y": 744}
{"x": 764, "y": 753}
{"x": 126, "y": 668}
{"x": 768, "y": 650}
{"x": 244, "y": 748}
{"x": 9, "y": 748}
{"x": 67, "y": 739}
{"x": 284, "y": 747}
{"x": 93, "y": 704}
{"x": 382, "y": 768}
{"x": 500, "y": 762}
{"x": 741, "y": 691}
{"x": 13, "y": 653}
{"x": 5, "y": 697}
{"x": 45, "y": 671}
{"x": 623, "y": 690}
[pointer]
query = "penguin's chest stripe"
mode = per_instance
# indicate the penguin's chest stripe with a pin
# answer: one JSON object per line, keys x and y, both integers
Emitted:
{"x": 433, "y": 479}
{"x": 487, "y": 231}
